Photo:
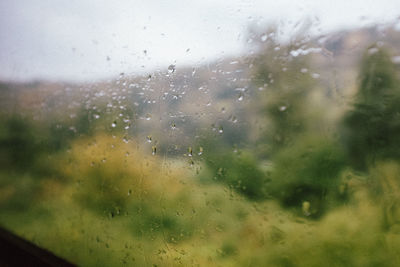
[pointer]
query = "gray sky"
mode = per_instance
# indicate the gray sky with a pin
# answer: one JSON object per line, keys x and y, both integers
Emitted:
{"x": 83, "y": 40}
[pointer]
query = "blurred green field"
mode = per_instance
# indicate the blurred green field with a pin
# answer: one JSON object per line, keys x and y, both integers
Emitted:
{"x": 108, "y": 204}
{"x": 305, "y": 178}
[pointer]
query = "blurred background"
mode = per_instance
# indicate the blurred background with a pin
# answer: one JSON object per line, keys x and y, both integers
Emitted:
{"x": 154, "y": 133}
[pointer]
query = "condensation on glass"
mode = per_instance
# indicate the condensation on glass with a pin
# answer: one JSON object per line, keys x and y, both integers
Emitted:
{"x": 139, "y": 134}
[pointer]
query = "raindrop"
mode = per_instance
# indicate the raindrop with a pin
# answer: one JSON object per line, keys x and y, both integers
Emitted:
{"x": 190, "y": 152}
{"x": 200, "y": 151}
{"x": 282, "y": 108}
{"x": 148, "y": 139}
{"x": 148, "y": 117}
{"x": 153, "y": 150}
{"x": 129, "y": 192}
{"x": 396, "y": 59}
{"x": 372, "y": 50}
{"x": 220, "y": 130}
{"x": 171, "y": 68}
{"x": 264, "y": 37}
{"x": 315, "y": 75}
{"x": 240, "y": 98}
{"x": 173, "y": 126}
{"x": 306, "y": 208}
{"x": 114, "y": 124}
{"x": 96, "y": 116}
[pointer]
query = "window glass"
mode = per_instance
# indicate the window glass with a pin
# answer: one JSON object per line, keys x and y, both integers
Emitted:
{"x": 209, "y": 133}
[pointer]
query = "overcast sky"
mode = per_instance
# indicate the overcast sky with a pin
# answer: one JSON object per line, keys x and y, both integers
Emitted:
{"x": 84, "y": 40}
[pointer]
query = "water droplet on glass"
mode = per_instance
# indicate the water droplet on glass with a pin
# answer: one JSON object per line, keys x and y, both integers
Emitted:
{"x": 200, "y": 151}
{"x": 171, "y": 68}
{"x": 173, "y": 126}
{"x": 396, "y": 59}
{"x": 220, "y": 130}
{"x": 148, "y": 117}
{"x": 372, "y": 50}
{"x": 96, "y": 116}
{"x": 129, "y": 192}
{"x": 264, "y": 37}
{"x": 153, "y": 150}
{"x": 114, "y": 124}
{"x": 148, "y": 138}
{"x": 240, "y": 98}
{"x": 282, "y": 108}
{"x": 190, "y": 152}
{"x": 315, "y": 75}
{"x": 304, "y": 70}
{"x": 306, "y": 208}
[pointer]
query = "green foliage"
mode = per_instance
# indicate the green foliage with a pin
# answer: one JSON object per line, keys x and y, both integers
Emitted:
{"x": 118, "y": 205}
{"x": 372, "y": 126}
{"x": 239, "y": 170}
{"x": 18, "y": 192}
{"x": 19, "y": 146}
{"x": 308, "y": 172}
{"x": 284, "y": 100}
{"x": 384, "y": 186}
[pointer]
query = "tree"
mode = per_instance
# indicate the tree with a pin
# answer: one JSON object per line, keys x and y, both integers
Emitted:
{"x": 372, "y": 126}
{"x": 286, "y": 86}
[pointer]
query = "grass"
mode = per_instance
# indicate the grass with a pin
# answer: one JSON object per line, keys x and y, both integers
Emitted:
{"x": 111, "y": 204}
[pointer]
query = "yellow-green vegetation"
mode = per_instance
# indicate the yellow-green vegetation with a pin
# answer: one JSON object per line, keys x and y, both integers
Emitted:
{"x": 308, "y": 189}
{"x": 112, "y": 204}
